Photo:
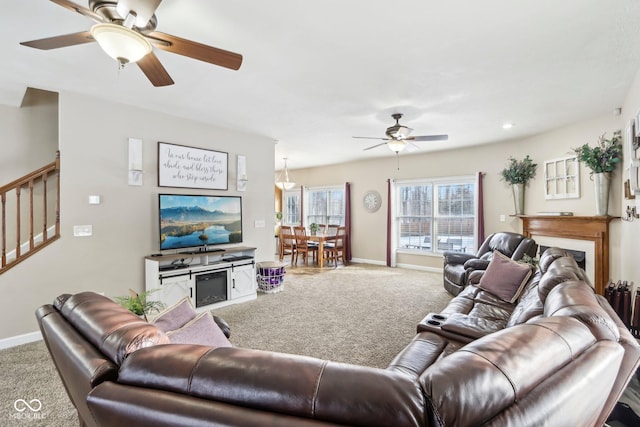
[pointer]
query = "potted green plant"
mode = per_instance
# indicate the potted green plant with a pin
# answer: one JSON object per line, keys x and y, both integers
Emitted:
{"x": 139, "y": 304}
{"x": 518, "y": 173}
{"x": 602, "y": 160}
{"x": 313, "y": 228}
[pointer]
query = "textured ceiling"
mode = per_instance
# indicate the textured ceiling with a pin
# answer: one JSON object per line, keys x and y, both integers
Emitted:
{"x": 316, "y": 74}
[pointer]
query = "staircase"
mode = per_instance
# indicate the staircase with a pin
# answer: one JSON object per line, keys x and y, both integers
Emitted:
{"x": 30, "y": 214}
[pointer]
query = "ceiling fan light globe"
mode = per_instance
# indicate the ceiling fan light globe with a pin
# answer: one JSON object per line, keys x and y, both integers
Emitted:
{"x": 397, "y": 145}
{"x": 121, "y": 43}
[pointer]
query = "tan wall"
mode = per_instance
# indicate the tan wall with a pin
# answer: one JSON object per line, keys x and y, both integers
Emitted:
{"x": 630, "y": 231}
{"x": 29, "y": 134}
{"x": 368, "y": 233}
{"x": 94, "y": 155}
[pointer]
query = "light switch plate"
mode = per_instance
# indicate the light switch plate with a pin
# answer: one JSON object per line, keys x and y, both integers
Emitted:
{"x": 82, "y": 230}
{"x": 259, "y": 223}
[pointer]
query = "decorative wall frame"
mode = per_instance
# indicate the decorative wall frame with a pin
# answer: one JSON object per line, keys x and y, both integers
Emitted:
{"x": 632, "y": 138}
{"x": 562, "y": 178}
{"x": 190, "y": 167}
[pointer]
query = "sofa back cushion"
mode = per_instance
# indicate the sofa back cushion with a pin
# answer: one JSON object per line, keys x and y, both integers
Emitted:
{"x": 496, "y": 376}
{"x": 560, "y": 270}
{"x": 550, "y": 255}
{"x": 112, "y": 329}
{"x": 577, "y": 299}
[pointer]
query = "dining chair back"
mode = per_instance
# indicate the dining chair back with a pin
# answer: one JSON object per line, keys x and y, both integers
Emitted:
{"x": 335, "y": 250}
{"x": 302, "y": 245}
{"x": 287, "y": 242}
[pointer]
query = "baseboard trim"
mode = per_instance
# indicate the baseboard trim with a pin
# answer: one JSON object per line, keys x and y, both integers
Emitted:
{"x": 19, "y": 340}
{"x": 407, "y": 266}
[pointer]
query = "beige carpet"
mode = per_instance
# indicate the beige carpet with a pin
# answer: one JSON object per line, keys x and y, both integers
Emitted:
{"x": 356, "y": 314}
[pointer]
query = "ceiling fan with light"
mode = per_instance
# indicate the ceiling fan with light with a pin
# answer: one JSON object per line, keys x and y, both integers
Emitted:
{"x": 125, "y": 30}
{"x": 398, "y": 137}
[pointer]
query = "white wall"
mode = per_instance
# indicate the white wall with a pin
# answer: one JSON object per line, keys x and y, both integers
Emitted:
{"x": 94, "y": 158}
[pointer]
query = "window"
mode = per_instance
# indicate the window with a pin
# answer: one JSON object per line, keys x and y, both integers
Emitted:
{"x": 325, "y": 206}
{"x": 436, "y": 215}
{"x": 291, "y": 203}
{"x": 322, "y": 206}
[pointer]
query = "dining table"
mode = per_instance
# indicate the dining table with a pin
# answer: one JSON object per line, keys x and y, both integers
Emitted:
{"x": 319, "y": 238}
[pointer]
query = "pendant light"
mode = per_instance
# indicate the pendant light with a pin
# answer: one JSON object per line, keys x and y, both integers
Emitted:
{"x": 284, "y": 182}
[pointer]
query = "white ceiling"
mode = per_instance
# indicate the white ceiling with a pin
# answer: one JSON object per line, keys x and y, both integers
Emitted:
{"x": 317, "y": 73}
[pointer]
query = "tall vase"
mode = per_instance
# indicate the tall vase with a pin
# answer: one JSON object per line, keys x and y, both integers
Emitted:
{"x": 601, "y": 183}
{"x": 518, "y": 198}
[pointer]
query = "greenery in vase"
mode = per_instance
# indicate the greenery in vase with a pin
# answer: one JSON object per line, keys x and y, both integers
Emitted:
{"x": 519, "y": 172}
{"x": 605, "y": 156}
{"x": 138, "y": 303}
{"x": 313, "y": 227}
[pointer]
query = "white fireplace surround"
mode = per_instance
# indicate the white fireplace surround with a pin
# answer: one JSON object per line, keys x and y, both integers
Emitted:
{"x": 585, "y": 246}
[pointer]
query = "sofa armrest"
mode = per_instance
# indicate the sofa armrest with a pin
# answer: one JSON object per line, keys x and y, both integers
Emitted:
{"x": 476, "y": 264}
{"x": 470, "y": 326}
{"x": 456, "y": 257}
{"x": 223, "y": 325}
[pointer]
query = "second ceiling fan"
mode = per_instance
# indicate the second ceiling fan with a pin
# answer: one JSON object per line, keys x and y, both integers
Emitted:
{"x": 125, "y": 30}
{"x": 398, "y": 137}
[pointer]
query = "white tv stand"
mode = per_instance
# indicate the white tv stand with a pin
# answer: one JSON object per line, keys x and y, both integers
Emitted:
{"x": 229, "y": 271}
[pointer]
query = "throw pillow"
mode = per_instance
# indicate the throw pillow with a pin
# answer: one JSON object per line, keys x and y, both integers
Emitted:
{"x": 202, "y": 330}
{"x": 505, "y": 278}
{"x": 175, "y": 316}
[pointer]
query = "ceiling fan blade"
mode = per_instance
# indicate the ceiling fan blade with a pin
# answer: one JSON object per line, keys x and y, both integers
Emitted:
{"x": 79, "y": 9}
{"x": 428, "y": 138}
{"x": 374, "y": 146}
{"x": 195, "y": 50}
{"x": 154, "y": 70}
{"x": 371, "y": 137}
{"x": 60, "y": 41}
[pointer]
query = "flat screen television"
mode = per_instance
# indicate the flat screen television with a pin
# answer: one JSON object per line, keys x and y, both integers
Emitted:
{"x": 191, "y": 221}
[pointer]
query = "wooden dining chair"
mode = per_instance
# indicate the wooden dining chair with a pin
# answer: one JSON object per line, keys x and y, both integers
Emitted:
{"x": 335, "y": 250}
{"x": 302, "y": 245}
{"x": 287, "y": 243}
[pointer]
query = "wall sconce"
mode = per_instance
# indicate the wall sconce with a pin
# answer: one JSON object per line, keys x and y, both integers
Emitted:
{"x": 632, "y": 214}
{"x": 242, "y": 178}
{"x": 135, "y": 161}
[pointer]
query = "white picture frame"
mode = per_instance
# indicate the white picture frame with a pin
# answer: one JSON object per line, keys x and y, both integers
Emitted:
{"x": 562, "y": 178}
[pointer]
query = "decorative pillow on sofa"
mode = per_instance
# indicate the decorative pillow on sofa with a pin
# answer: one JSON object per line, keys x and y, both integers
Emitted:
{"x": 505, "y": 278}
{"x": 202, "y": 330}
{"x": 175, "y": 316}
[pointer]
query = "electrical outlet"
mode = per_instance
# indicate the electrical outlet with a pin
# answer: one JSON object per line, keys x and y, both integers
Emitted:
{"x": 503, "y": 218}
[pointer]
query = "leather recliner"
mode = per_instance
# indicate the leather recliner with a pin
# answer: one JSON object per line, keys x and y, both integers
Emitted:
{"x": 459, "y": 266}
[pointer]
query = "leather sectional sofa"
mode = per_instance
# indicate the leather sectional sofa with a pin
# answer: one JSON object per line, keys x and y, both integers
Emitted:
{"x": 557, "y": 356}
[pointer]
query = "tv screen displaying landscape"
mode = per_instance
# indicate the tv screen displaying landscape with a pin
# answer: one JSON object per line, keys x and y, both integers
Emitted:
{"x": 188, "y": 221}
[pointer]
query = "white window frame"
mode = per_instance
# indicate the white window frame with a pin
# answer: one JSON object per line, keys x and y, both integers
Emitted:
{"x": 327, "y": 189}
{"x": 434, "y": 183}
{"x": 286, "y": 194}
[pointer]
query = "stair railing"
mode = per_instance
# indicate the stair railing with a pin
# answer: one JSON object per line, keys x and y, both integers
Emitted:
{"x": 12, "y": 192}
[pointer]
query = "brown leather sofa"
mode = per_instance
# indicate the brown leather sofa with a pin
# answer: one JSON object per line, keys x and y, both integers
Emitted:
{"x": 458, "y": 266}
{"x": 558, "y": 357}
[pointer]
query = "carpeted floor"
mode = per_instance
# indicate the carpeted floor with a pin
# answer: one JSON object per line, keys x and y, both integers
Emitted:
{"x": 360, "y": 314}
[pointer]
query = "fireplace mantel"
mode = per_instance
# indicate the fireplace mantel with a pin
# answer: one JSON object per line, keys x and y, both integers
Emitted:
{"x": 592, "y": 228}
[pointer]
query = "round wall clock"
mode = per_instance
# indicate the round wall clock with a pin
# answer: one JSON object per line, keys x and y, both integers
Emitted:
{"x": 372, "y": 201}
